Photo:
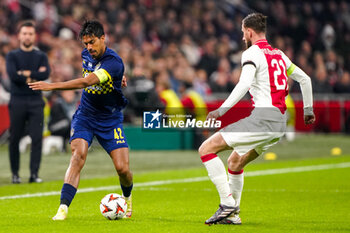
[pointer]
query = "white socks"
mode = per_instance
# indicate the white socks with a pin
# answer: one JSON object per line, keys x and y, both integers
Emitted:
{"x": 236, "y": 180}
{"x": 217, "y": 174}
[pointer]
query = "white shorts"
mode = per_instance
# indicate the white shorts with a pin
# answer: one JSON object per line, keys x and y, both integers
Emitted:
{"x": 253, "y": 133}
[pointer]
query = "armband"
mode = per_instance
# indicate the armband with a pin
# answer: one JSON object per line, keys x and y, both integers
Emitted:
{"x": 290, "y": 69}
{"x": 102, "y": 75}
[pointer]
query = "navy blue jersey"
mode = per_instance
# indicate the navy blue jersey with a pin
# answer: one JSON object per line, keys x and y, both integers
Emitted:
{"x": 104, "y": 101}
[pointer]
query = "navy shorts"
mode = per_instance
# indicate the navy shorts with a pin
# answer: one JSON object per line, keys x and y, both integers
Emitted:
{"x": 110, "y": 138}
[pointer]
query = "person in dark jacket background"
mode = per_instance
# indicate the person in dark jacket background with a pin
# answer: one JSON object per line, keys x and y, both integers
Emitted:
{"x": 24, "y": 65}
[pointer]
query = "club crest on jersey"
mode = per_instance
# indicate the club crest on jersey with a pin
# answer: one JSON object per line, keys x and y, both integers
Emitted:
{"x": 98, "y": 66}
{"x": 90, "y": 65}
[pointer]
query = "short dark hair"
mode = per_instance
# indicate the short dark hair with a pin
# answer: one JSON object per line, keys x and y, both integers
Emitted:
{"x": 255, "y": 21}
{"x": 91, "y": 28}
{"x": 27, "y": 23}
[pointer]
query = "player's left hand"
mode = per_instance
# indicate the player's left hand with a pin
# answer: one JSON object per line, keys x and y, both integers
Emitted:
{"x": 213, "y": 115}
{"x": 43, "y": 86}
{"x": 309, "y": 119}
{"x": 124, "y": 83}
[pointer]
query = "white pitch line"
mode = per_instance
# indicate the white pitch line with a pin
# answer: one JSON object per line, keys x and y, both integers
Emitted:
{"x": 298, "y": 169}
{"x": 189, "y": 180}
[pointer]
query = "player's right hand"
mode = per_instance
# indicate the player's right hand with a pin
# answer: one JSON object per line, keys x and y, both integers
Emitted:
{"x": 213, "y": 115}
{"x": 309, "y": 119}
{"x": 43, "y": 86}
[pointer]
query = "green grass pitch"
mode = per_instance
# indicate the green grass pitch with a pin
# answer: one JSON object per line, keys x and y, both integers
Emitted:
{"x": 304, "y": 190}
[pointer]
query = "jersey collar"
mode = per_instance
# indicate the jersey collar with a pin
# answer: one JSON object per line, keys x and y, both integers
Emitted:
{"x": 260, "y": 41}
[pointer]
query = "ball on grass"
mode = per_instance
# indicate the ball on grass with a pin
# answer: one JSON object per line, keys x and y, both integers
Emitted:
{"x": 336, "y": 151}
{"x": 270, "y": 156}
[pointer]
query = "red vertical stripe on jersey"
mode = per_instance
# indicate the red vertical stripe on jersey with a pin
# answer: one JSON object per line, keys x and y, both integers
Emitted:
{"x": 274, "y": 59}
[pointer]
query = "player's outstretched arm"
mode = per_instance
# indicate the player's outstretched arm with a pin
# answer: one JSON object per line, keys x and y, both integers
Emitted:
{"x": 306, "y": 89}
{"x": 91, "y": 79}
{"x": 242, "y": 87}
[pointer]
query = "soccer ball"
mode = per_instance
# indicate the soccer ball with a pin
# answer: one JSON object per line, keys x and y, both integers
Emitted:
{"x": 113, "y": 206}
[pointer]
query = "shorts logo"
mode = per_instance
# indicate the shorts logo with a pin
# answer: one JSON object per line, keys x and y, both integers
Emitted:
{"x": 71, "y": 132}
{"x": 152, "y": 120}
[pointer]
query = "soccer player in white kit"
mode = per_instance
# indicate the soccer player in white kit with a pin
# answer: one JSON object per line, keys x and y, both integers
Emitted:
{"x": 265, "y": 71}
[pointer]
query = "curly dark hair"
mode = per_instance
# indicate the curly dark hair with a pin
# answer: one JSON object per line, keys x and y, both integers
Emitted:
{"x": 255, "y": 21}
{"x": 91, "y": 28}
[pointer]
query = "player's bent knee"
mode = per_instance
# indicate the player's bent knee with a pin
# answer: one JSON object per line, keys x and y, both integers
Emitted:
{"x": 235, "y": 163}
{"x": 204, "y": 148}
{"x": 236, "y": 167}
{"x": 77, "y": 160}
{"x": 201, "y": 149}
{"x": 123, "y": 171}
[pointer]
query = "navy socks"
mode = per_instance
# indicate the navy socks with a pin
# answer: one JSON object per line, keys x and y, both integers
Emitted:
{"x": 67, "y": 194}
{"x": 126, "y": 190}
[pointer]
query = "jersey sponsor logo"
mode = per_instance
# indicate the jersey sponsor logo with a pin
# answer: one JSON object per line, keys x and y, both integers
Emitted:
{"x": 94, "y": 88}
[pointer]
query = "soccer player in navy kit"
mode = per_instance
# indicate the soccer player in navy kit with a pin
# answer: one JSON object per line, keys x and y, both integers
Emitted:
{"x": 99, "y": 113}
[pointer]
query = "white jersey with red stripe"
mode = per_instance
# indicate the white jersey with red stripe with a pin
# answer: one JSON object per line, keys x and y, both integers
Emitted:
{"x": 269, "y": 87}
{"x": 264, "y": 74}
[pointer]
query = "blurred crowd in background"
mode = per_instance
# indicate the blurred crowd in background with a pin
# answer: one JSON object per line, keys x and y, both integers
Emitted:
{"x": 184, "y": 45}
